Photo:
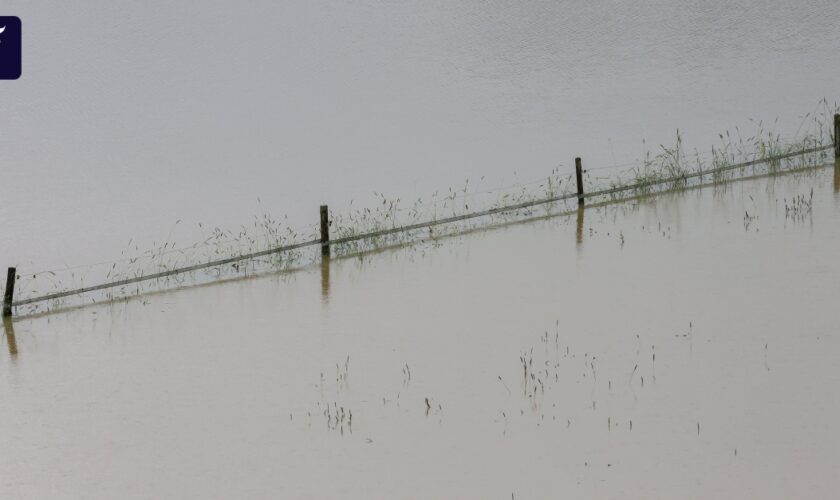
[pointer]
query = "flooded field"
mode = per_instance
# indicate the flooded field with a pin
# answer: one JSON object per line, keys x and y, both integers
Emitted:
{"x": 217, "y": 113}
{"x": 683, "y": 345}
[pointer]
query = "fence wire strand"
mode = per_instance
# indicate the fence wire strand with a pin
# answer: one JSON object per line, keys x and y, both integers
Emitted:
{"x": 640, "y": 186}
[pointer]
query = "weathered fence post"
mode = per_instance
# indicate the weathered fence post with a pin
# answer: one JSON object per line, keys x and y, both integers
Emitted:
{"x": 837, "y": 135}
{"x": 579, "y": 175}
{"x": 325, "y": 231}
{"x": 10, "y": 292}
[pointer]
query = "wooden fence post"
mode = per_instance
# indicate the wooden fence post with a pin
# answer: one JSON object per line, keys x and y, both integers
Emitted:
{"x": 325, "y": 231}
{"x": 10, "y": 292}
{"x": 837, "y": 135}
{"x": 579, "y": 175}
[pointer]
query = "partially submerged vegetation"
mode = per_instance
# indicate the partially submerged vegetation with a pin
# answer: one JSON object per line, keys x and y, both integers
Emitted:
{"x": 799, "y": 207}
{"x": 394, "y": 222}
{"x": 764, "y": 151}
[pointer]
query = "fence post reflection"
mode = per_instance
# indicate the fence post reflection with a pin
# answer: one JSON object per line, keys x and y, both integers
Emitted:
{"x": 579, "y": 232}
{"x": 837, "y": 175}
{"x": 325, "y": 279}
{"x": 9, "y": 331}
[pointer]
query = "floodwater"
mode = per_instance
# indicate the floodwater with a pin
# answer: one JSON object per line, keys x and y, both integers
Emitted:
{"x": 130, "y": 118}
{"x": 680, "y": 346}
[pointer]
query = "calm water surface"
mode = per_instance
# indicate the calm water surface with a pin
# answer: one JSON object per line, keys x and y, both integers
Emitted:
{"x": 680, "y": 346}
{"x": 130, "y": 118}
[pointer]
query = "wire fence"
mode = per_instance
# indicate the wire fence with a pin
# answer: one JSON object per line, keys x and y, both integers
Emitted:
{"x": 391, "y": 223}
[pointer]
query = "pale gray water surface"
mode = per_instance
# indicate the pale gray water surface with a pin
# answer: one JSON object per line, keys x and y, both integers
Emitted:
{"x": 130, "y": 117}
{"x": 218, "y": 391}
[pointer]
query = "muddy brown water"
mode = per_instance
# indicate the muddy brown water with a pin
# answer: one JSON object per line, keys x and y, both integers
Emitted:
{"x": 706, "y": 318}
